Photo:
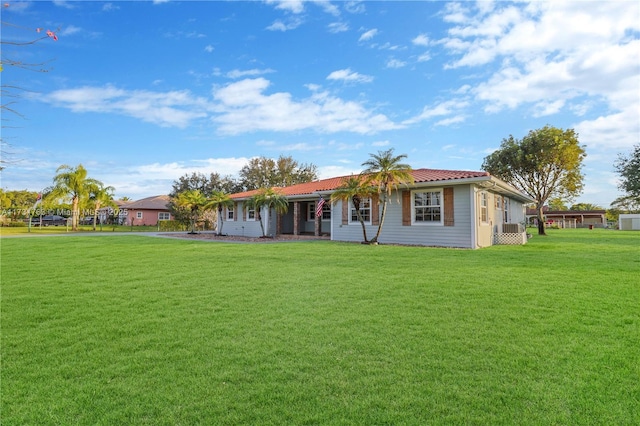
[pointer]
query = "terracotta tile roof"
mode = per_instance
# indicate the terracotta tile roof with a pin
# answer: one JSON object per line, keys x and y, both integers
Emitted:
{"x": 419, "y": 175}
{"x": 158, "y": 202}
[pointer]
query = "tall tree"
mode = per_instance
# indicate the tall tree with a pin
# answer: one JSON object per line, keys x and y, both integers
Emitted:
{"x": 192, "y": 201}
{"x": 354, "y": 189}
{"x": 207, "y": 185}
{"x": 546, "y": 163}
{"x": 73, "y": 183}
{"x": 386, "y": 172}
{"x": 100, "y": 196}
{"x": 629, "y": 169}
{"x": 263, "y": 172}
{"x": 218, "y": 201}
{"x": 267, "y": 199}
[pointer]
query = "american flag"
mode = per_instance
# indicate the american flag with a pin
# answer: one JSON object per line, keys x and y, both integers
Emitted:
{"x": 319, "y": 207}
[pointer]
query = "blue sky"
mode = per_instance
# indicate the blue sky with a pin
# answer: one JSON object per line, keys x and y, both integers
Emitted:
{"x": 143, "y": 92}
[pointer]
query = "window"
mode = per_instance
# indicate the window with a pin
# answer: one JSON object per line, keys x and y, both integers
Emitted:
{"x": 164, "y": 216}
{"x": 484, "y": 207}
{"x": 326, "y": 211}
{"x": 230, "y": 213}
{"x": 251, "y": 213}
{"x": 507, "y": 205}
{"x": 427, "y": 207}
{"x": 138, "y": 215}
{"x": 365, "y": 211}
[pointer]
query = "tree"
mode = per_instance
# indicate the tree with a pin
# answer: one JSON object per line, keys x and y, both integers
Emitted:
{"x": 74, "y": 184}
{"x": 100, "y": 196}
{"x": 9, "y": 92}
{"x": 354, "y": 189}
{"x": 218, "y": 201}
{"x": 265, "y": 172}
{"x": 207, "y": 185}
{"x": 546, "y": 163}
{"x": 267, "y": 199}
{"x": 629, "y": 169}
{"x": 193, "y": 201}
{"x": 557, "y": 204}
{"x": 584, "y": 207}
{"x": 386, "y": 172}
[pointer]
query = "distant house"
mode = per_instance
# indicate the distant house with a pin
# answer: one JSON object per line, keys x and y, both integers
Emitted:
{"x": 147, "y": 211}
{"x": 570, "y": 218}
{"x": 446, "y": 208}
{"x": 117, "y": 213}
{"x": 629, "y": 222}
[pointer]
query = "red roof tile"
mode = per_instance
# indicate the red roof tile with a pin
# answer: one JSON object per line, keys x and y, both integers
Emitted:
{"x": 419, "y": 175}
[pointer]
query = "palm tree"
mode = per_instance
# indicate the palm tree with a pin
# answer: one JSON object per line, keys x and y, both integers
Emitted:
{"x": 74, "y": 183}
{"x": 193, "y": 201}
{"x": 268, "y": 198}
{"x": 218, "y": 201}
{"x": 354, "y": 189}
{"x": 387, "y": 173}
{"x": 100, "y": 196}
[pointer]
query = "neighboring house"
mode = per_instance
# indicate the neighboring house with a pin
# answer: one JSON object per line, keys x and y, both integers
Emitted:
{"x": 446, "y": 208}
{"x": 629, "y": 222}
{"x": 570, "y": 218}
{"x": 147, "y": 211}
{"x": 119, "y": 213}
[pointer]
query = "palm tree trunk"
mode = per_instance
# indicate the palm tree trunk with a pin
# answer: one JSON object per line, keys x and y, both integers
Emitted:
{"x": 74, "y": 213}
{"x": 382, "y": 216}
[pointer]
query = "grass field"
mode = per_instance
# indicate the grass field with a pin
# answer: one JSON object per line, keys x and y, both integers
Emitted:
{"x": 140, "y": 330}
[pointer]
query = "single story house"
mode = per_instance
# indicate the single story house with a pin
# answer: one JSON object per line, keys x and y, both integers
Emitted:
{"x": 629, "y": 222}
{"x": 147, "y": 211}
{"x": 445, "y": 208}
{"x": 570, "y": 218}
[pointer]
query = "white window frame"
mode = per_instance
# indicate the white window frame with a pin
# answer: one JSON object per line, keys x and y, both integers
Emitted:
{"x": 326, "y": 212}
{"x": 507, "y": 209}
{"x": 251, "y": 214}
{"x": 484, "y": 207}
{"x": 231, "y": 214}
{"x": 440, "y": 193}
{"x": 353, "y": 220}
{"x": 164, "y": 216}
{"x": 138, "y": 215}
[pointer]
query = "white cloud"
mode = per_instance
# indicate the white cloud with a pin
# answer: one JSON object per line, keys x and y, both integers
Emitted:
{"x": 209, "y": 48}
{"x": 107, "y": 7}
{"x": 293, "y": 6}
{"x": 445, "y": 108}
{"x": 166, "y": 109}
{"x": 291, "y": 24}
{"x": 70, "y": 30}
{"x": 368, "y": 35}
{"x": 337, "y": 27}
{"x": 354, "y": 6}
{"x": 395, "y": 63}
{"x": 244, "y": 107}
{"x": 421, "y": 40}
{"x": 248, "y": 73}
{"x": 349, "y": 76}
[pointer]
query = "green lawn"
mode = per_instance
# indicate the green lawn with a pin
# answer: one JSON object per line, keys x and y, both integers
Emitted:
{"x": 140, "y": 330}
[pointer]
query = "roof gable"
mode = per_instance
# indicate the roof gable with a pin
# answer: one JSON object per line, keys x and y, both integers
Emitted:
{"x": 157, "y": 202}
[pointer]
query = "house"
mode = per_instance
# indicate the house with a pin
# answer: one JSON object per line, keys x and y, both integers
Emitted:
{"x": 629, "y": 222}
{"x": 570, "y": 218}
{"x": 445, "y": 208}
{"x": 117, "y": 213}
{"x": 147, "y": 211}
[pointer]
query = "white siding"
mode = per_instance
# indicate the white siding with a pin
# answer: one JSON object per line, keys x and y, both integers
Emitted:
{"x": 393, "y": 231}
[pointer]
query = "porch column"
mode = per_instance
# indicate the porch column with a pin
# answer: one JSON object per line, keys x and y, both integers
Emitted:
{"x": 318, "y": 224}
{"x": 296, "y": 217}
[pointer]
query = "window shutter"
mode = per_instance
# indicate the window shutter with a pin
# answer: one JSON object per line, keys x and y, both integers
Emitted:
{"x": 406, "y": 208}
{"x": 448, "y": 206}
{"x": 375, "y": 210}
{"x": 345, "y": 212}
